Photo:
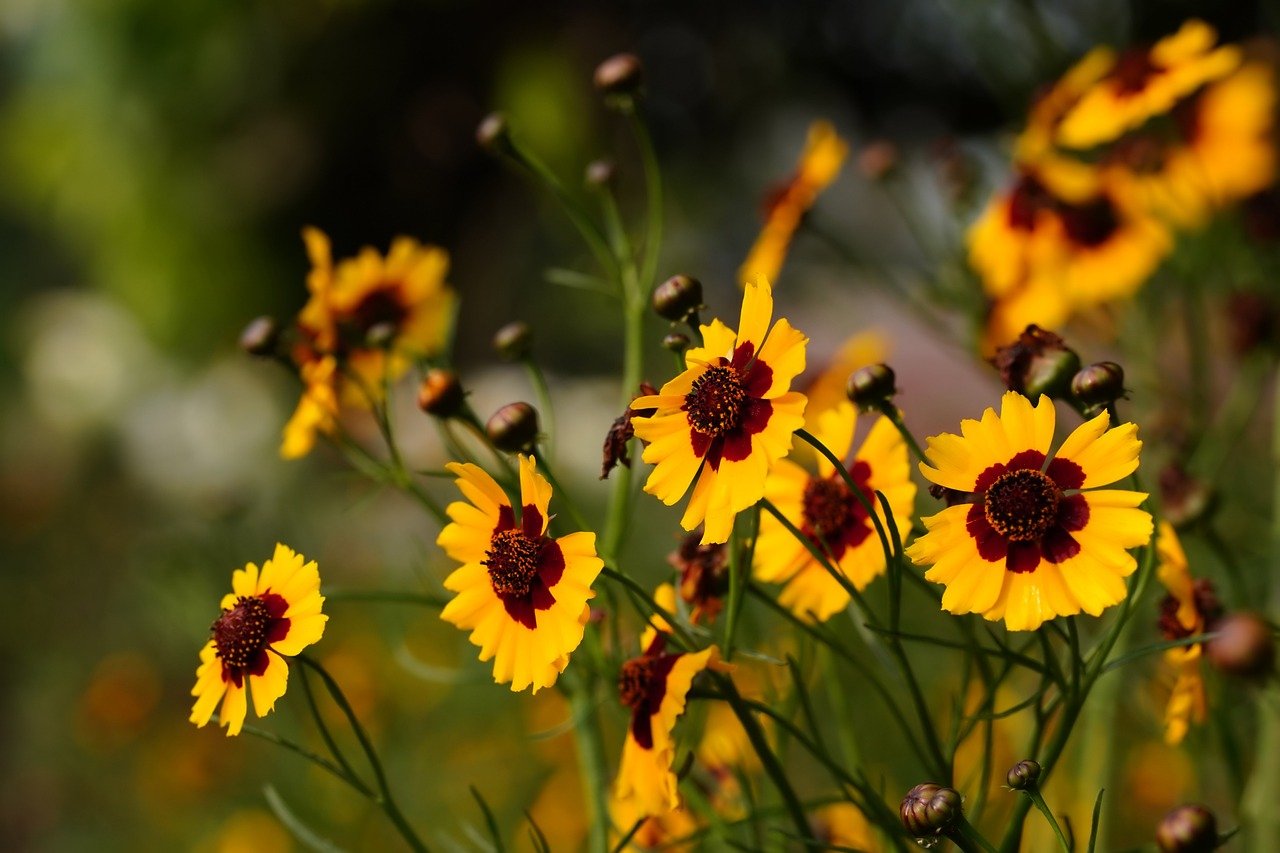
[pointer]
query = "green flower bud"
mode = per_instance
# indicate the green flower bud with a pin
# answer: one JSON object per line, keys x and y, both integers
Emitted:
{"x": 260, "y": 337}
{"x": 930, "y": 809}
{"x": 1039, "y": 362}
{"x": 440, "y": 393}
{"x": 1098, "y": 385}
{"x": 677, "y": 298}
{"x": 1187, "y": 829}
{"x": 871, "y": 386}
{"x": 676, "y": 342}
{"x": 1023, "y": 775}
{"x": 513, "y": 340}
{"x": 513, "y": 428}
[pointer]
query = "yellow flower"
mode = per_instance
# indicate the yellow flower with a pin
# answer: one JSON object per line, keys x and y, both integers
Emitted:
{"x": 1147, "y": 82}
{"x": 522, "y": 593}
{"x": 827, "y": 390}
{"x": 657, "y": 832}
{"x": 1184, "y": 612}
{"x": 1036, "y": 140}
{"x": 401, "y": 299}
{"x": 1037, "y": 539}
{"x": 824, "y": 154}
{"x": 654, "y": 686}
{"x": 268, "y": 616}
{"x": 823, "y": 508}
{"x": 842, "y": 827}
{"x": 726, "y": 419}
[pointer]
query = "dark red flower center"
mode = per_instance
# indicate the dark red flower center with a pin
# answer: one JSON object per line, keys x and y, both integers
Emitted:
{"x": 635, "y": 680}
{"x": 1022, "y": 505}
{"x": 380, "y": 308}
{"x": 717, "y": 401}
{"x": 829, "y": 508}
{"x": 240, "y": 634}
{"x": 1090, "y": 224}
{"x": 1133, "y": 70}
{"x": 512, "y": 561}
{"x": 1205, "y": 599}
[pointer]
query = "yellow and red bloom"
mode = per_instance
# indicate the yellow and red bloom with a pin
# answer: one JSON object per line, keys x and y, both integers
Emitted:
{"x": 522, "y": 593}
{"x": 366, "y": 320}
{"x": 655, "y": 686}
{"x": 824, "y": 154}
{"x": 831, "y": 517}
{"x": 1036, "y": 538}
{"x": 726, "y": 419}
{"x": 1146, "y": 82}
{"x": 268, "y": 616}
{"x": 704, "y": 576}
{"x": 1189, "y": 609}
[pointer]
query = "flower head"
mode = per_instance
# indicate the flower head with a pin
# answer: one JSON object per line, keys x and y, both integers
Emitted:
{"x": 831, "y": 517}
{"x": 824, "y": 154}
{"x": 1036, "y": 538}
{"x": 725, "y": 420}
{"x": 522, "y": 593}
{"x": 269, "y": 615}
{"x": 1189, "y": 609}
{"x": 654, "y": 687}
{"x": 704, "y": 576}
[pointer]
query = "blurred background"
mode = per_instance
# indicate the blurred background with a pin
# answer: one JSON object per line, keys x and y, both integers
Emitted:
{"x": 157, "y": 162}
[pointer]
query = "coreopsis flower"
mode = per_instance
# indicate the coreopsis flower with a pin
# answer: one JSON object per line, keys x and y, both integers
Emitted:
{"x": 704, "y": 576}
{"x": 824, "y": 154}
{"x": 831, "y": 517}
{"x": 657, "y": 832}
{"x": 1044, "y": 116}
{"x": 654, "y": 687}
{"x": 841, "y": 826}
{"x": 1036, "y": 538}
{"x": 1146, "y": 82}
{"x": 366, "y": 320}
{"x": 521, "y": 593}
{"x": 827, "y": 389}
{"x": 268, "y": 616}
{"x": 725, "y": 420}
{"x": 1187, "y": 610}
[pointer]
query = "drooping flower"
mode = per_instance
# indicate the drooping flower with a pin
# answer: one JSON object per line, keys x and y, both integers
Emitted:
{"x": 831, "y": 517}
{"x": 1037, "y": 538}
{"x": 824, "y": 154}
{"x": 521, "y": 593}
{"x": 268, "y": 616}
{"x": 1189, "y": 609}
{"x": 1146, "y": 82}
{"x": 654, "y": 686}
{"x": 725, "y": 420}
{"x": 366, "y": 320}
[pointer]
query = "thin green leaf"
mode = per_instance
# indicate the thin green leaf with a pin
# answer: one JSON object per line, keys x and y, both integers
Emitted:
{"x": 297, "y": 828}
{"x": 1093, "y": 824}
{"x": 490, "y": 822}
{"x": 1158, "y": 647}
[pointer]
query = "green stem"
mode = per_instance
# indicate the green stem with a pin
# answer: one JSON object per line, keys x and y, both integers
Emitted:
{"x": 894, "y": 414}
{"x": 1038, "y": 799}
{"x": 653, "y": 193}
{"x": 323, "y": 728}
{"x": 543, "y": 393}
{"x": 853, "y": 487}
{"x": 591, "y": 760}
{"x": 321, "y": 762}
{"x": 565, "y": 501}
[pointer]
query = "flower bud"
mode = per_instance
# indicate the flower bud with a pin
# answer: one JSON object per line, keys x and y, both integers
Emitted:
{"x": 600, "y": 173}
{"x": 1038, "y": 362}
{"x": 676, "y": 342}
{"x": 1187, "y": 829}
{"x": 440, "y": 393}
{"x": 1245, "y": 646}
{"x": 1023, "y": 775}
{"x": 260, "y": 336}
{"x": 878, "y": 159}
{"x": 512, "y": 341}
{"x": 930, "y": 809}
{"x": 677, "y": 298}
{"x": 1098, "y": 385}
{"x": 493, "y": 134}
{"x": 870, "y": 386}
{"x": 620, "y": 74}
{"x": 513, "y": 427}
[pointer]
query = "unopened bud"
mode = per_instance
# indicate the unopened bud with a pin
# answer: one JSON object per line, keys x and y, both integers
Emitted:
{"x": 512, "y": 341}
{"x": 677, "y": 298}
{"x": 1187, "y": 829}
{"x": 930, "y": 809}
{"x": 493, "y": 134}
{"x": 1098, "y": 385}
{"x": 878, "y": 159}
{"x": 620, "y": 74}
{"x": 1244, "y": 646}
{"x": 676, "y": 342}
{"x": 1038, "y": 362}
{"x": 600, "y": 173}
{"x": 513, "y": 428}
{"x": 260, "y": 336}
{"x": 440, "y": 393}
{"x": 870, "y": 386}
{"x": 1023, "y": 775}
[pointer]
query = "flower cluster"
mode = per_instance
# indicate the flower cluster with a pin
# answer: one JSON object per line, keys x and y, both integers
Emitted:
{"x": 1125, "y": 149}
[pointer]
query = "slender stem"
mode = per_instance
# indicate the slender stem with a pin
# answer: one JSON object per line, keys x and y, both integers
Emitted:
{"x": 894, "y": 414}
{"x": 654, "y": 607}
{"x": 565, "y": 501}
{"x": 591, "y": 759}
{"x": 321, "y": 762}
{"x": 1038, "y": 799}
{"x": 805, "y": 436}
{"x": 543, "y": 393}
{"x": 653, "y": 192}
{"x": 323, "y": 728}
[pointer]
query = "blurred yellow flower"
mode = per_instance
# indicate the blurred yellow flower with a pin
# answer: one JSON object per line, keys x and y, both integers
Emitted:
{"x": 268, "y": 616}
{"x": 522, "y": 594}
{"x": 727, "y": 418}
{"x": 820, "y": 164}
{"x": 1184, "y": 612}
{"x": 842, "y": 826}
